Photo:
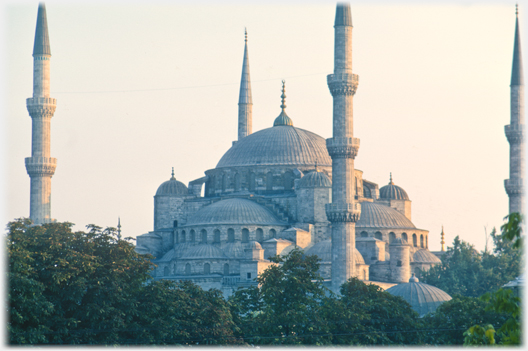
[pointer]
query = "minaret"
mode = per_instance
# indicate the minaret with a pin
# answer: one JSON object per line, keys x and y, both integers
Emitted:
{"x": 343, "y": 212}
{"x": 40, "y": 166}
{"x": 442, "y": 241}
{"x": 515, "y": 130}
{"x": 245, "y": 103}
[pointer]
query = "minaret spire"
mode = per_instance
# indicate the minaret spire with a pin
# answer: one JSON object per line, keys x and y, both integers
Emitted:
{"x": 245, "y": 102}
{"x": 119, "y": 228}
{"x": 343, "y": 212}
{"x": 515, "y": 130}
{"x": 40, "y": 166}
{"x": 442, "y": 241}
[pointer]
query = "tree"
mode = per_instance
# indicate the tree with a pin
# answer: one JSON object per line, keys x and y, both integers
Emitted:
{"x": 368, "y": 315}
{"x": 285, "y": 307}
{"x": 91, "y": 288}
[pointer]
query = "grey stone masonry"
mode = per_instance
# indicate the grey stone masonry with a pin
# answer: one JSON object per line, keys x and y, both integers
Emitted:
{"x": 40, "y": 166}
{"x": 343, "y": 212}
{"x": 515, "y": 130}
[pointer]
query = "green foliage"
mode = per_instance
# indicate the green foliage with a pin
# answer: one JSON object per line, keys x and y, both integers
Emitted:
{"x": 447, "y": 324}
{"x": 466, "y": 272}
{"x": 285, "y": 308}
{"x": 90, "y": 288}
{"x": 504, "y": 301}
{"x": 477, "y": 335}
{"x": 368, "y": 315}
{"x": 512, "y": 229}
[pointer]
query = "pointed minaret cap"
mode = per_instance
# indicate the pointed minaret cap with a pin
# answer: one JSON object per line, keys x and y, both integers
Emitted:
{"x": 517, "y": 68}
{"x": 283, "y": 119}
{"x": 245, "y": 82}
{"x": 343, "y": 16}
{"x": 42, "y": 44}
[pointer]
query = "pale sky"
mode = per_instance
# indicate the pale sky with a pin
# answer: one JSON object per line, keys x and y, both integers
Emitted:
{"x": 143, "y": 87}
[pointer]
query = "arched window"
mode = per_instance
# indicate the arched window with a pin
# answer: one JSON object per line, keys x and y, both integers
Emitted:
{"x": 378, "y": 235}
{"x": 392, "y": 237}
{"x": 182, "y": 236}
{"x": 364, "y": 274}
{"x": 260, "y": 235}
{"x": 226, "y": 269}
{"x": 364, "y": 234}
{"x": 417, "y": 272}
{"x": 166, "y": 271}
{"x": 272, "y": 233}
{"x": 193, "y": 236}
{"x": 404, "y": 237}
{"x": 237, "y": 182}
{"x": 269, "y": 181}
{"x": 224, "y": 181}
{"x": 251, "y": 181}
{"x": 230, "y": 235}
{"x": 245, "y": 235}
{"x": 188, "y": 269}
{"x": 174, "y": 268}
{"x": 288, "y": 180}
{"x": 421, "y": 241}
{"x": 426, "y": 242}
{"x": 216, "y": 236}
{"x": 366, "y": 192}
{"x": 207, "y": 268}
{"x": 175, "y": 224}
{"x": 415, "y": 240}
{"x": 203, "y": 233}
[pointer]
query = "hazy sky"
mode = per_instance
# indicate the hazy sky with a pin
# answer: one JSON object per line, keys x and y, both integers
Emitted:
{"x": 141, "y": 88}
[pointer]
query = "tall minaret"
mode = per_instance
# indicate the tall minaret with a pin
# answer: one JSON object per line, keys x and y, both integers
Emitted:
{"x": 515, "y": 130}
{"x": 343, "y": 212}
{"x": 245, "y": 103}
{"x": 40, "y": 166}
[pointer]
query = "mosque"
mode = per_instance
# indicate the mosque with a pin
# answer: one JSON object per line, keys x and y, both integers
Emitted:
{"x": 278, "y": 189}
{"x": 273, "y": 190}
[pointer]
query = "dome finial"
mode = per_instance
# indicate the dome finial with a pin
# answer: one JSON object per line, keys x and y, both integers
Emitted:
{"x": 413, "y": 279}
{"x": 516, "y": 10}
{"x": 316, "y": 169}
{"x": 283, "y": 119}
{"x": 119, "y": 228}
{"x": 245, "y": 34}
{"x": 390, "y": 182}
{"x": 172, "y": 174}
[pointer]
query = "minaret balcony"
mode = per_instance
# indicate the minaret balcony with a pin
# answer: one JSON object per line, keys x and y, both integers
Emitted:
{"x": 514, "y": 186}
{"x": 41, "y": 106}
{"x": 514, "y": 133}
{"x": 339, "y": 212}
{"x": 342, "y": 83}
{"x": 41, "y": 166}
{"x": 342, "y": 147}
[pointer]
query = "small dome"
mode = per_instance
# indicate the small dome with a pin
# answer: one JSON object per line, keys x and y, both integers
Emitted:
{"x": 422, "y": 297}
{"x": 393, "y": 192}
{"x": 315, "y": 179}
{"x": 203, "y": 251}
{"x": 172, "y": 187}
{"x": 169, "y": 256}
{"x": 181, "y": 248}
{"x": 254, "y": 245}
{"x": 234, "y": 211}
{"x": 234, "y": 250}
{"x": 323, "y": 250}
{"x": 425, "y": 256}
{"x": 374, "y": 215}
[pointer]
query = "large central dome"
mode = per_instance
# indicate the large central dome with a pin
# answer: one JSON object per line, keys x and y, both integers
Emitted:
{"x": 279, "y": 145}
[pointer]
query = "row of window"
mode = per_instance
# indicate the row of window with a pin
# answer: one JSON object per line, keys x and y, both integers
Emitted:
{"x": 248, "y": 181}
{"x": 392, "y": 237}
{"x": 184, "y": 237}
{"x": 206, "y": 269}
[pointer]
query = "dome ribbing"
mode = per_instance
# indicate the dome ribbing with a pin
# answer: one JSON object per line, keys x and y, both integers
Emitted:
{"x": 375, "y": 215}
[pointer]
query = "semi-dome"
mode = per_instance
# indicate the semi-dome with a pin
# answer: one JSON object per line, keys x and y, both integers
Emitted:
{"x": 279, "y": 145}
{"x": 323, "y": 250}
{"x": 172, "y": 187}
{"x": 393, "y": 192}
{"x": 375, "y": 215}
{"x": 425, "y": 256}
{"x": 234, "y": 250}
{"x": 234, "y": 211}
{"x": 254, "y": 245}
{"x": 203, "y": 251}
{"x": 315, "y": 179}
{"x": 422, "y": 297}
